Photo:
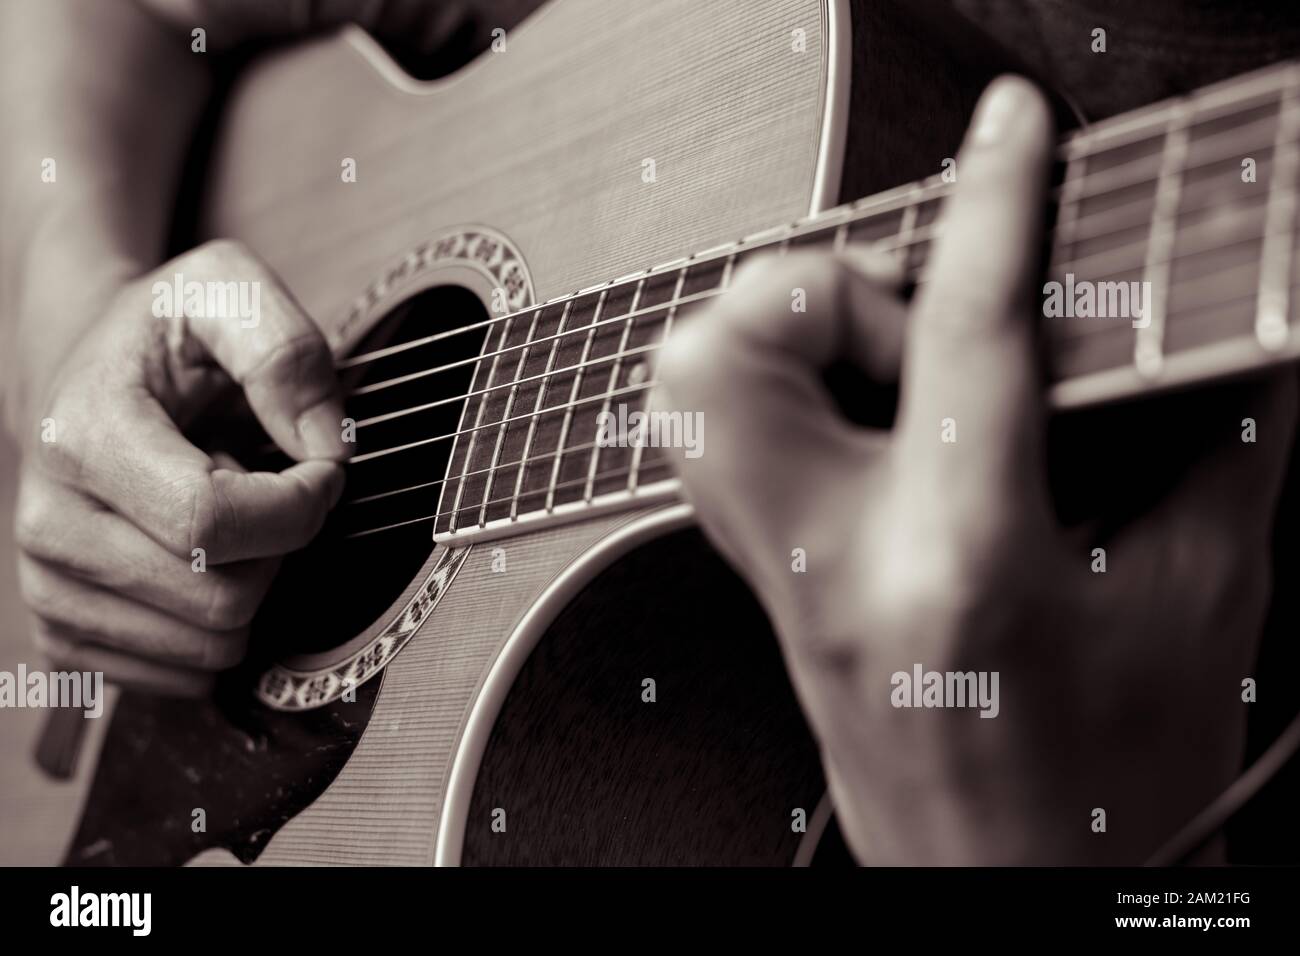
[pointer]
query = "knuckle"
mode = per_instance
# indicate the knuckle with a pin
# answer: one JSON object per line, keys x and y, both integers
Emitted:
{"x": 948, "y": 599}
{"x": 193, "y": 518}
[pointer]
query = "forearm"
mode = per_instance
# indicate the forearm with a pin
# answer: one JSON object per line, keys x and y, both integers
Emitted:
{"x": 97, "y": 102}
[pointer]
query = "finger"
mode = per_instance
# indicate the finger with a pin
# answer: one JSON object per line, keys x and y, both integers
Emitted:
{"x": 811, "y": 307}
{"x": 748, "y": 368}
{"x": 883, "y": 267}
{"x": 970, "y": 409}
{"x": 110, "y": 620}
{"x": 66, "y": 649}
{"x": 269, "y": 346}
{"x": 144, "y": 469}
{"x": 65, "y": 529}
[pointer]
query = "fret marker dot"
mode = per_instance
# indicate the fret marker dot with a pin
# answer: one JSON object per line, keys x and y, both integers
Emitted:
{"x": 636, "y": 375}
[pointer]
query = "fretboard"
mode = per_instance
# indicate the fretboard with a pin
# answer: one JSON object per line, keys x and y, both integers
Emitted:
{"x": 1174, "y": 254}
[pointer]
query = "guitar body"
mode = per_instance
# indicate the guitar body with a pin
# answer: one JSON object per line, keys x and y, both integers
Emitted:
{"x": 601, "y": 690}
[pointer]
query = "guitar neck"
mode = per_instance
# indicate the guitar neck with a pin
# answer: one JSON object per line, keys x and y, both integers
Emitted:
{"x": 1171, "y": 262}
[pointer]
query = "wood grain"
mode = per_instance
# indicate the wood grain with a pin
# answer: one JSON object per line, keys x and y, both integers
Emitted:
{"x": 544, "y": 141}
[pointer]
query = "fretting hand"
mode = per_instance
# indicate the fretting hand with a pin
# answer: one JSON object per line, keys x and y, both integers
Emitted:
{"x": 1119, "y": 691}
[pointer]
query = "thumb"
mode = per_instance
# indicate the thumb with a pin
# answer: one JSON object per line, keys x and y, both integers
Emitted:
{"x": 268, "y": 345}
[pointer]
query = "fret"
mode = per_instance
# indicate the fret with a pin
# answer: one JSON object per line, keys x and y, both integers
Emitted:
{"x": 634, "y": 470}
{"x": 1114, "y": 223}
{"x": 1113, "y": 174}
{"x": 673, "y": 305}
{"x": 610, "y": 389}
{"x": 478, "y": 421}
{"x": 532, "y": 374}
{"x": 924, "y": 231}
{"x": 536, "y": 416}
{"x": 907, "y": 227}
{"x": 727, "y": 270}
{"x": 478, "y": 486}
{"x": 550, "y": 439}
{"x": 1148, "y": 350}
{"x": 505, "y": 417}
{"x": 568, "y": 411}
{"x": 841, "y": 237}
{"x": 593, "y": 391}
{"x": 1273, "y": 298}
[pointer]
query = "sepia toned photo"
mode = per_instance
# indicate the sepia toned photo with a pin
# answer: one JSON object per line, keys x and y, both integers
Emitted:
{"x": 854, "y": 435}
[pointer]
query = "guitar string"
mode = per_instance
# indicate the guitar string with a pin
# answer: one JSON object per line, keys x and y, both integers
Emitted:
{"x": 557, "y": 454}
{"x": 570, "y": 482}
{"x": 576, "y": 333}
{"x": 924, "y": 235}
{"x": 618, "y": 356}
{"x": 1077, "y": 331}
{"x": 552, "y": 410}
{"x": 1230, "y": 139}
{"x": 523, "y": 462}
{"x": 1225, "y": 303}
{"x": 534, "y": 459}
{"x": 1211, "y": 229}
{"x": 834, "y": 222}
{"x": 833, "y": 227}
{"x": 590, "y": 331}
{"x": 384, "y": 452}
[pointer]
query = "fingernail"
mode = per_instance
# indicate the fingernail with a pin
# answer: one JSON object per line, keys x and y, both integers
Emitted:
{"x": 996, "y": 108}
{"x": 321, "y": 431}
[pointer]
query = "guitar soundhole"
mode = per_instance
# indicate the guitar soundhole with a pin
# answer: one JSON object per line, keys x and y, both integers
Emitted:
{"x": 381, "y": 532}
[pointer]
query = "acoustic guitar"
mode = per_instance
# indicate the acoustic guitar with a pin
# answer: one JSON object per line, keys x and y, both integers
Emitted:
{"x": 510, "y": 645}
